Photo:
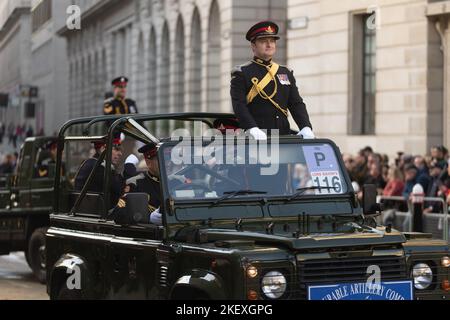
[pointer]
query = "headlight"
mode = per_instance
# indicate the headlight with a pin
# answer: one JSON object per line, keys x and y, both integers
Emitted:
{"x": 423, "y": 276}
{"x": 274, "y": 285}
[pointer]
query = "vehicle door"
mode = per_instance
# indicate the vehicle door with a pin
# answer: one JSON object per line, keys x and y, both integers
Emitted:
{"x": 5, "y": 209}
{"x": 21, "y": 194}
{"x": 133, "y": 265}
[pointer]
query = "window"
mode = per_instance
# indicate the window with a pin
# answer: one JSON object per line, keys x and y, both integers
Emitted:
{"x": 41, "y": 13}
{"x": 362, "y": 75}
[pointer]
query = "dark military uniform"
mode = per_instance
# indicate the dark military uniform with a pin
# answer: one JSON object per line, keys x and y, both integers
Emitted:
{"x": 44, "y": 169}
{"x": 261, "y": 112}
{"x": 142, "y": 183}
{"x": 262, "y": 92}
{"x": 145, "y": 183}
{"x": 97, "y": 183}
{"x": 116, "y": 106}
{"x": 46, "y": 165}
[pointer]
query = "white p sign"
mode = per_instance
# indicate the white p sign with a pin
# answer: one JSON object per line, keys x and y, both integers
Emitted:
{"x": 74, "y": 20}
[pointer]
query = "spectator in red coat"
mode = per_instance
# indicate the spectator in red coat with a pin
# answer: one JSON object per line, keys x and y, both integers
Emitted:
{"x": 395, "y": 185}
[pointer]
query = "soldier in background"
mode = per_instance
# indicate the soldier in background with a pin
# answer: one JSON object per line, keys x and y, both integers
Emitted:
{"x": 47, "y": 163}
{"x": 119, "y": 104}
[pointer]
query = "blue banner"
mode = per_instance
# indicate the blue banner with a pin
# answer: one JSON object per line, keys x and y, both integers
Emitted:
{"x": 400, "y": 290}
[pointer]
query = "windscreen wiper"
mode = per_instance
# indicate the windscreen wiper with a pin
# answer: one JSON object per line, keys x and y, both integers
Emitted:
{"x": 301, "y": 191}
{"x": 231, "y": 194}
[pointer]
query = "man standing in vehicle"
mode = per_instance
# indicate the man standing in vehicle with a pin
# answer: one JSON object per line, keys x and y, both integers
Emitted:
{"x": 264, "y": 92}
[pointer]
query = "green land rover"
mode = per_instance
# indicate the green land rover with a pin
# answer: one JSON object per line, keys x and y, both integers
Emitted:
{"x": 241, "y": 220}
{"x": 26, "y": 201}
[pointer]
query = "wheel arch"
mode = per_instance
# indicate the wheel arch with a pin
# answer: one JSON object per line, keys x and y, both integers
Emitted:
{"x": 63, "y": 269}
{"x": 201, "y": 282}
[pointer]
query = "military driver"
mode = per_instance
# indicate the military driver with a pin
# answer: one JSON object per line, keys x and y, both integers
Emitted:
{"x": 148, "y": 183}
{"x": 262, "y": 91}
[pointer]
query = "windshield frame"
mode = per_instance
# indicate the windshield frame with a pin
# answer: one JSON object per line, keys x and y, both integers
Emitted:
{"x": 260, "y": 200}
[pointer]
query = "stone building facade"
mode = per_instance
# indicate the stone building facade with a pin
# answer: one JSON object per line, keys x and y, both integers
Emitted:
{"x": 32, "y": 56}
{"x": 15, "y": 58}
{"x": 178, "y": 54}
{"x": 373, "y": 80}
{"x": 49, "y": 72}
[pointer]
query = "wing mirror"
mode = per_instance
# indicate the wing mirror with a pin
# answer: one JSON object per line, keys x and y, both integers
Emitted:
{"x": 370, "y": 205}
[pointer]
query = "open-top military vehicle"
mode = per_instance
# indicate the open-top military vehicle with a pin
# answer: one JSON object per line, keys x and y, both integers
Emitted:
{"x": 240, "y": 220}
{"x": 26, "y": 201}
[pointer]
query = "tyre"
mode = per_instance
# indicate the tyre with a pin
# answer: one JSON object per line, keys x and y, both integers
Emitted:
{"x": 36, "y": 253}
{"x": 27, "y": 258}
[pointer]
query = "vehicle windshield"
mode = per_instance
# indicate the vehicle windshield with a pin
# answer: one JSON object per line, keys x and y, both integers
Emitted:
{"x": 200, "y": 171}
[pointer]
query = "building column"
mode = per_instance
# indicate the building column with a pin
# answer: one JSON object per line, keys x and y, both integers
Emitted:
{"x": 446, "y": 100}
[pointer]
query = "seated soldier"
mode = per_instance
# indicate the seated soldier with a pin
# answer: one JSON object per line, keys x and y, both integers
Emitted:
{"x": 97, "y": 182}
{"x": 47, "y": 161}
{"x": 148, "y": 183}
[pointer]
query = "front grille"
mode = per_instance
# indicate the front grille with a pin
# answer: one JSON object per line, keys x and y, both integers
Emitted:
{"x": 348, "y": 270}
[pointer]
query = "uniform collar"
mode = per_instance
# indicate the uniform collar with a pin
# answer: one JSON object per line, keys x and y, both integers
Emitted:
{"x": 261, "y": 61}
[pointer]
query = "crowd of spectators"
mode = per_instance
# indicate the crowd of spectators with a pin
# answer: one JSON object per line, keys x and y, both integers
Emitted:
{"x": 398, "y": 178}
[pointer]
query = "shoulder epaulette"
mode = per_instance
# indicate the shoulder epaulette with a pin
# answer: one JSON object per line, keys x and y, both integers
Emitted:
{"x": 283, "y": 66}
{"x": 239, "y": 68}
{"x": 109, "y": 100}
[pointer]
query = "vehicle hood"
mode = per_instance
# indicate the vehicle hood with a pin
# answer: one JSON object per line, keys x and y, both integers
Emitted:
{"x": 318, "y": 240}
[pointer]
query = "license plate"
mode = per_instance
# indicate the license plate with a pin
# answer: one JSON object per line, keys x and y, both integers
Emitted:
{"x": 399, "y": 290}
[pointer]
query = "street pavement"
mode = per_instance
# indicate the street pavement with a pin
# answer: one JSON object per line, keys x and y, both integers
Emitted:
{"x": 17, "y": 281}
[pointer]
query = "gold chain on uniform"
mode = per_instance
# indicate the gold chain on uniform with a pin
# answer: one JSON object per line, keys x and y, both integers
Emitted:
{"x": 263, "y": 94}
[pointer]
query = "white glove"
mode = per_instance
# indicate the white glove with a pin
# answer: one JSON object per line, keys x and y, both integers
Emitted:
{"x": 258, "y": 134}
{"x": 307, "y": 133}
{"x": 132, "y": 159}
{"x": 156, "y": 217}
